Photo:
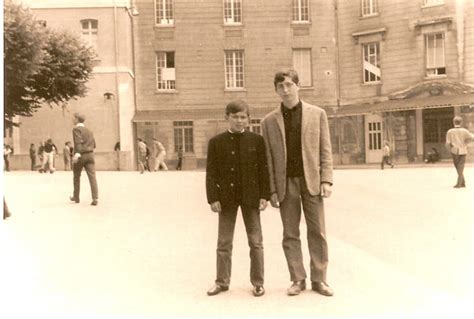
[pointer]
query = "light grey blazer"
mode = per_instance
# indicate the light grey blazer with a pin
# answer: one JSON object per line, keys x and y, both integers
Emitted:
{"x": 315, "y": 144}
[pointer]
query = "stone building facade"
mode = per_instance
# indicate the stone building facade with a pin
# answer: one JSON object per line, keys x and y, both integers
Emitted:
{"x": 109, "y": 104}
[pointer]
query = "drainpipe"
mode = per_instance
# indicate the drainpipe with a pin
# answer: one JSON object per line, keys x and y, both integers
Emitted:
{"x": 117, "y": 93}
{"x": 338, "y": 80}
{"x": 338, "y": 77}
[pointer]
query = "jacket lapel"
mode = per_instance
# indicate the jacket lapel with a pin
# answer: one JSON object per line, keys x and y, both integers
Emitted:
{"x": 304, "y": 118}
{"x": 281, "y": 126}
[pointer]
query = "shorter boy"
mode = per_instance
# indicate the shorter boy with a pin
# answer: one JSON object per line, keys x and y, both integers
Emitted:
{"x": 237, "y": 175}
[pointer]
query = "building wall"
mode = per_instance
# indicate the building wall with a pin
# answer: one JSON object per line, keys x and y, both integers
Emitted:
{"x": 402, "y": 46}
{"x": 110, "y": 119}
{"x": 199, "y": 38}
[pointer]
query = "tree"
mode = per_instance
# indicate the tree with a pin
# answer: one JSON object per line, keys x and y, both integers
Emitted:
{"x": 42, "y": 66}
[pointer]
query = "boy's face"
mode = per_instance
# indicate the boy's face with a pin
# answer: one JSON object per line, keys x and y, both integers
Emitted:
{"x": 237, "y": 121}
{"x": 288, "y": 91}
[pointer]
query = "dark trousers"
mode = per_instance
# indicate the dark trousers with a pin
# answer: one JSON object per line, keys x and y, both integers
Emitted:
{"x": 180, "y": 163}
{"x": 459, "y": 161}
{"x": 85, "y": 161}
{"x": 385, "y": 160}
{"x": 33, "y": 162}
{"x": 227, "y": 218}
{"x": 7, "y": 162}
{"x": 313, "y": 208}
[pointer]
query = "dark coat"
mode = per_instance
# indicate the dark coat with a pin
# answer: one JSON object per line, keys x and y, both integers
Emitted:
{"x": 83, "y": 138}
{"x": 221, "y": 168}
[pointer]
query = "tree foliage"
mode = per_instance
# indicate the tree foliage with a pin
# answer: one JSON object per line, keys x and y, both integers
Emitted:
{"x": 42, "y": 66}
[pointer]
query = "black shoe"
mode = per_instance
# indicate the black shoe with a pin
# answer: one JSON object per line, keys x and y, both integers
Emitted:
{"x": 258, "y": 291}
{"x": 322, "y": 288}
{"x": 296, "y": 288}
{"x": 72, "y": 199}
{"x": 216, "y": 289}
{"x": 95, "y": 202}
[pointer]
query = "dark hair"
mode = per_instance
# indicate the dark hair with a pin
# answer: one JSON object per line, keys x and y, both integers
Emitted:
{"x": 457, "y": 120}
{"x": 80, "y": 117}
{"x": 236, "y": 107}
{"x": 280, "y": 76}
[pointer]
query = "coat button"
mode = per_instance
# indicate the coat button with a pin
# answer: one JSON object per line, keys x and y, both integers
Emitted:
{"x": 232, "y": 169}
{"x": 232, "y": 152}
{"x": 231, "y": 184}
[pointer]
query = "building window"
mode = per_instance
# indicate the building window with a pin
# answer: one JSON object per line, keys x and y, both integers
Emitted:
{"x": 255, "y": 126}
{"x": 232, "y": 11}
{"x": 89, "y": 32}
{"x": 300, "y": 11}
{"x": 164, "y": 12}
{"x": 435, "y": 129}
{"x": 302, "y": 65}
{"x": 429, "y": 3}
{"x": 234, "y": 69}
{"x": 369, "y": 7}
{"x": 375, "y": 136}
{"x": 371, "y": 52}
{"x": 183, "y": 136}
{"x": 165, "y": 71}
{"x": 435, "y": 64}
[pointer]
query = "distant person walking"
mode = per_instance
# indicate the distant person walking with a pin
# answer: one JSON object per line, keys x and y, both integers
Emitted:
{"x": 67, "y": 156}
{"x": 457, "y": 139}
{"x": 6, "y": 211}
{"x": 48, "y": 157}
{"x": 41, "y": 153}
{"x": 84, "y": 145}
{"x": 386, "y": 155}
{"x": 180, "y": 158}
{"x": 141, "y": 155}
{"x": 33, "y": 156}
{"x": 159, "y": 152}
{"x": 7, "y": 150}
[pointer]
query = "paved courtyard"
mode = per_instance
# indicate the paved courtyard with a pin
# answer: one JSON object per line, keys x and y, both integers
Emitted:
{"x": 400, "y": 244}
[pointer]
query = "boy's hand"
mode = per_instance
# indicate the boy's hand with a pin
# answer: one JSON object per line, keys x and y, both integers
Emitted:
{"x": 263, "y": 204}
{"x": 326, "y": 190}
{"x": 274, "y": 200}
{"x": 216, "y": 207}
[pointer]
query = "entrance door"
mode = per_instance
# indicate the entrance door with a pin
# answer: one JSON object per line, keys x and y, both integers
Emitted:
{"x": 373, "y": 139}
{"x": 436, "y": 122}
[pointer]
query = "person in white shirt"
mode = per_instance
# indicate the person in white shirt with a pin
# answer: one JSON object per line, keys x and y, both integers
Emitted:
{"x": 457, "y": 139}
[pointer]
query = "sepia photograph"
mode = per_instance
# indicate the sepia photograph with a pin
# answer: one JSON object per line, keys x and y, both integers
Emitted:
{"x": 237, "y": 158}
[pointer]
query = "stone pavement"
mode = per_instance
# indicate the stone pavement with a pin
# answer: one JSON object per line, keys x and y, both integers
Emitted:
{"x": 400, "y": 245}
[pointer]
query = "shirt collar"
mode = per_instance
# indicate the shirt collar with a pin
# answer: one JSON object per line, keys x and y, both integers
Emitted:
{"x": 80, "y": 124}
{"x": 457, "y": 126}
{"x": 296, "y": 108}
{"x": 237, "y": 133}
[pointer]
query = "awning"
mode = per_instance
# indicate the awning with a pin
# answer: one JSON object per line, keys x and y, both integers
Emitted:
{"x": 404, "y": 105}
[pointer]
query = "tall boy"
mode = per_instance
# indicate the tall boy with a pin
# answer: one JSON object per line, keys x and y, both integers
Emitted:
{"x": 237, "y": 175}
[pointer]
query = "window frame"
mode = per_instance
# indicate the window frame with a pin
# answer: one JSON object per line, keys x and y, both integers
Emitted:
{"x": 232, "y": 8}
{"x": 378, "y": 61}
{"x": 373, "y": 7}
{"x": 234, "y": 66}
{"x": 310, "y": 67}
{"x": 436, "y": 69}
{"x": 297, "y": 8}
{"x": 183, "y": 139}
{"x": 90, "y": 35}
{"x": 161, "y": 5}
{"x": 255, "y": 126}
{"x": 170, "y": 85}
